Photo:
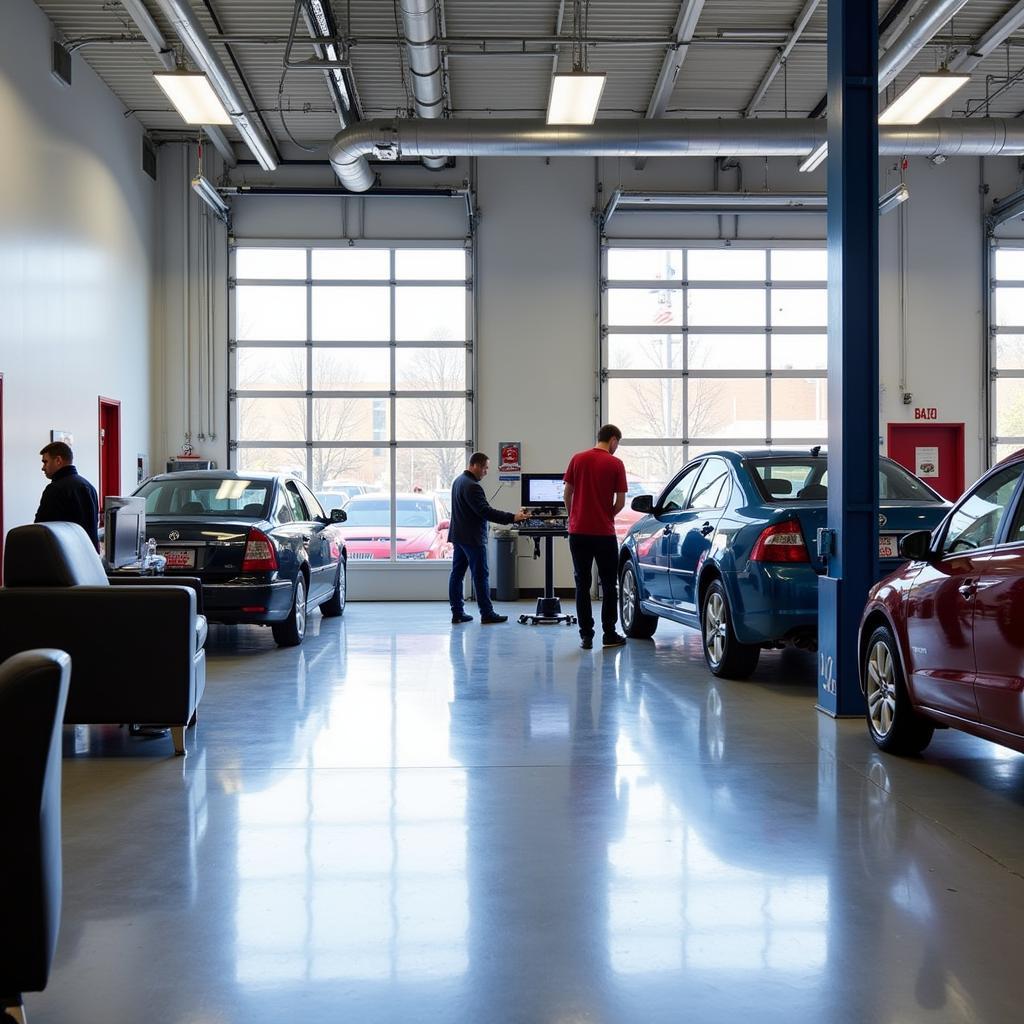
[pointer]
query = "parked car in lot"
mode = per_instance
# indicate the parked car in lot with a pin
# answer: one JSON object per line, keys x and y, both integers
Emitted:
{"x": 421, "y": 527}
{"x": 942, "y": 638}
{"x": 261, "y": 544}
{"x": 729, "y": 548}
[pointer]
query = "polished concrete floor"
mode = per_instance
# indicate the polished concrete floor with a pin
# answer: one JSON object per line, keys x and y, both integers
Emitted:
{"x": 403, "y": 821}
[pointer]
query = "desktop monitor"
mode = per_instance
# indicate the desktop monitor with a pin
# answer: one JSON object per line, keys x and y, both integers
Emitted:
{"x": 124, "y": 530}
{"x": 542, "y": 489}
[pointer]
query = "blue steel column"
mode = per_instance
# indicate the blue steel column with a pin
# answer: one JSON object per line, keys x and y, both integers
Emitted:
{"x": 852, "y": 348}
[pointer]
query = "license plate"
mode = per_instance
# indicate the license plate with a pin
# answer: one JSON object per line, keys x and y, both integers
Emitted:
{"x": 888, "y": 545}
{"x": 179, "y": 558}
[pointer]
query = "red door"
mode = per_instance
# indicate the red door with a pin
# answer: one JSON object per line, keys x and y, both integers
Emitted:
{"x": 110, "y": 449}
{"x": 932, "y": 451}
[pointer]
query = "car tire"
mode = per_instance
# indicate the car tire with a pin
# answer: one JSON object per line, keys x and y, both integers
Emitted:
{"x": 892, "y": 721}
{"x": 290, "y": 632}
{"x": 724, "y": 654}
{"x": 636, "y": 623}
{"x": 335, "y": 604}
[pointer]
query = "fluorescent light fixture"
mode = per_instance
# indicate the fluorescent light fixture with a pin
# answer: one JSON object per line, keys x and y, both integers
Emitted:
{"x": 814, "y": 158}
{"x": 575, "y": 97}
{"x": 207, "y": 191}
{"x": 927, "y": 92}
{"x": 891, "y": 199}
{"x": 192, "y": 96}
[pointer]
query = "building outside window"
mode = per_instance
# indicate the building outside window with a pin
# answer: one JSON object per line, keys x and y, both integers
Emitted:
{"x": 705, "y": 347}
{"x": 350, "y": 369}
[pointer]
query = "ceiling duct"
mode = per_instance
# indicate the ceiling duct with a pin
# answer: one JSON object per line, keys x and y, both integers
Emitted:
{"x": 420, "y": 22}
{"x": 391, "y": 140}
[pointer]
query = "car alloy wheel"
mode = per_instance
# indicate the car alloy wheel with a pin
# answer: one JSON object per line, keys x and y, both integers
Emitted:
{"x": 881, "y": 688}
{"x": 715, "y": 628}
{"x": 896, "y": 726}
{"x": 636, "y": 623}
{"x": 300, "y": 607}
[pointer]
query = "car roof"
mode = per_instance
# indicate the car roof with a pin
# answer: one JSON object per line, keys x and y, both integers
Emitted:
{"x": 221, "y": 474}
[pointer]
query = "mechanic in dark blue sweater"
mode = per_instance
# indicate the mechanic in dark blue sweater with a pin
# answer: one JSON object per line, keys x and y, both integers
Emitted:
{"x": 69, "y": 497}
{"x": 468, "y": 534}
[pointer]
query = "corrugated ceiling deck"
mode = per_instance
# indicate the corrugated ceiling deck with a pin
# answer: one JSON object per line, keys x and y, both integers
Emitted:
{"x": 718, "y": 77}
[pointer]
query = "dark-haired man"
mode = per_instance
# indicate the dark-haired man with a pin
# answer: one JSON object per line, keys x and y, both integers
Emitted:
{"x": 69, "y": 497}
{"x": 595, "y": 491}
{"x": 468, "y": 533}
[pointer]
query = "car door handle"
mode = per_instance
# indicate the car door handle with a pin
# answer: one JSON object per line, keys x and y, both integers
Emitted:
{"x": 706, "y": 529}
{"x": 968, "y": 588}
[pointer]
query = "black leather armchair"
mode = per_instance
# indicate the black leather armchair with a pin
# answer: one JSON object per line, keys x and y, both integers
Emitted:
{"x": 33, "y": 692}
{"x": 136, "y": 649}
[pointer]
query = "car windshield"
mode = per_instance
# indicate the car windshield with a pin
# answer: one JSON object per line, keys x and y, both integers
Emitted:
{"x": 377, "y": 512}
{"x": 805, "y": 478}
{"x": 190, "y": 497}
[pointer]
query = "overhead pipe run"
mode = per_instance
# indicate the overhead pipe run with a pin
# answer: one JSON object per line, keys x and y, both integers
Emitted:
{"x": 197, "y": 43}
{"x": 390, "y": 140}
{"x": 419, "y": 23}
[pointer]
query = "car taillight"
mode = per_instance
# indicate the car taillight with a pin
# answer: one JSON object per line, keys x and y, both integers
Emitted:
{"x": 781, "y": 542}
{"x": 260, "y": 555}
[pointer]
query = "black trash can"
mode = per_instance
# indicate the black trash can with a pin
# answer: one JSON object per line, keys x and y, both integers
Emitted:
{"x": 505, "y": 550}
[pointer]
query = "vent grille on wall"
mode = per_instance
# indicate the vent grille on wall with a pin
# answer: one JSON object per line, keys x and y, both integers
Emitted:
{"x": 60, "y": 63}
{"x": 149, "y": 157}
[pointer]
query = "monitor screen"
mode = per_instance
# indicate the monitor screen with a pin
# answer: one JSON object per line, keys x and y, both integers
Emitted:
{"x": 542, "y": 489}
{"x": 124, "y": 525}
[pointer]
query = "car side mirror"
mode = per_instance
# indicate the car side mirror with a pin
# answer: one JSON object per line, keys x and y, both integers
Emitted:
{"x": 643, "y": 503}
{"x": 916, "y": 546}
{"x": 443, "y": 525}
{"x": 338, "y": 515}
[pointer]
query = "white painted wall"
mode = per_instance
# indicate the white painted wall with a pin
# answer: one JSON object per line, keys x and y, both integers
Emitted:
{"x": 77, "y": 218}
{"x": 537, "y": 296}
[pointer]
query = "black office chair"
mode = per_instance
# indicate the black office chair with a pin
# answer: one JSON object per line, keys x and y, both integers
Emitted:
{"x": 33, "y": 692}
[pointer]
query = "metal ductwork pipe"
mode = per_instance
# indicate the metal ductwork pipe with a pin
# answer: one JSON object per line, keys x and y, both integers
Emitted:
{"x": 391, "y": 139}
{"x": 195, "y": 40}
{"x": 932, "y": 16}
{"x": 419, "y": 23}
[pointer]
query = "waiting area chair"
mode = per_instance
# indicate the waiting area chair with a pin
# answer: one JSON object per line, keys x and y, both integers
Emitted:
{"x": 136, "y": 643}
{"x": 33, "y": 693}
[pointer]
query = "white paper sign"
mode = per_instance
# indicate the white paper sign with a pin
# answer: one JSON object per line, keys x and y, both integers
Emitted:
{"x": 927, "y": 462}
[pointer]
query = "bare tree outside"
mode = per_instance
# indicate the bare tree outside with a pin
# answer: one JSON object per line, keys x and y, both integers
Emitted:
{"x": 435, "y": 418}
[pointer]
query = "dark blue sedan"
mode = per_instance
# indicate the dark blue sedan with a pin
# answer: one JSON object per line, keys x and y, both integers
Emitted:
{"x": 729, "y": 548}
{"x": 261, "y": 544}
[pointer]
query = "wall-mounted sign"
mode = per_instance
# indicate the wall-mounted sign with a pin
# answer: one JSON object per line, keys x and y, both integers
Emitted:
{"x": 926, "y": 462}
{"x": 61, "y": 435}
{"x": 510, "y": 457}
{"x": 926, "y": 413}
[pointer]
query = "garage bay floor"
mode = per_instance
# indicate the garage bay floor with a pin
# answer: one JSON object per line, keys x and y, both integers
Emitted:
{"x": 406, "y": 821}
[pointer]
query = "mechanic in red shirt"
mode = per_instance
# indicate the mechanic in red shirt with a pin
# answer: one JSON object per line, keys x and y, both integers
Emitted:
{"x": 595, "y": 492}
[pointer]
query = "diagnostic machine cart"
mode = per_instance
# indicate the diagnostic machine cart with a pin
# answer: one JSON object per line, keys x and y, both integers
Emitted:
{"x": 542, "y": 498}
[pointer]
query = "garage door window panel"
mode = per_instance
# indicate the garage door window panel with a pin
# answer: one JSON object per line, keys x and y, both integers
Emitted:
{"x": 271, "y": 264}
{"x": 351, "y": 313}
{"x": 271, "y": 369}
{"x": 646, "y": 406}
{"x": 430, "y": 314}
{"x": 270, "y": 313}
{"x": 351, "y": 264}
{"x": 351, "y": 369}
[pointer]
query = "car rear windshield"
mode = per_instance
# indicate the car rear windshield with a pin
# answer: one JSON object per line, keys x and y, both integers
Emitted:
{"x": 236, "y": 498}
{"x": 377, "y": 512}
{"x": 805, "y": 478}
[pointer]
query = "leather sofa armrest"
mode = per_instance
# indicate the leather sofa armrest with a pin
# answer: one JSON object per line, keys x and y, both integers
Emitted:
{"x": 194, "y": 583}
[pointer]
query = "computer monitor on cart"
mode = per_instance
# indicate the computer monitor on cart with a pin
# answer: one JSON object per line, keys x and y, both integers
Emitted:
{"x": 542, "y": 490}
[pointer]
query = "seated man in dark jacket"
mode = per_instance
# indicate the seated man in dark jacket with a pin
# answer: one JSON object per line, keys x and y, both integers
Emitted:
{"x": 68, "y": 498}
{"x": 468, "y": 535}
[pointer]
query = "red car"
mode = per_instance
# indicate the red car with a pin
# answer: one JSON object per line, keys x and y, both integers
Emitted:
{"x": 942, "y": 637}
{"x": 421, "y": 528}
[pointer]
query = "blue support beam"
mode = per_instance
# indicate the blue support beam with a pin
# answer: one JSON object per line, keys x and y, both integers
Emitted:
{"x": 852, "y": 349}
